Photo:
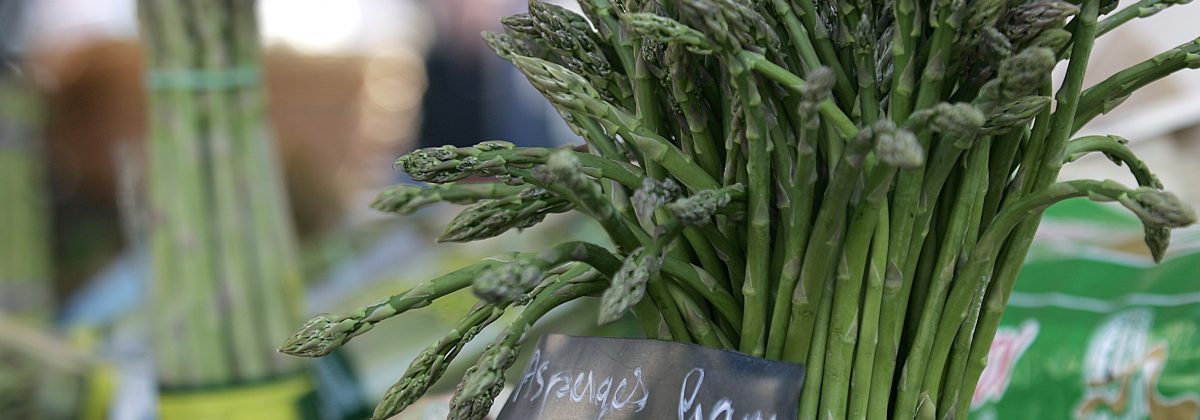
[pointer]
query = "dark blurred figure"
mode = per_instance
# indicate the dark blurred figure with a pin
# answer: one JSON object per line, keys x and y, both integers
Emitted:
{"x": 472, "y": 95}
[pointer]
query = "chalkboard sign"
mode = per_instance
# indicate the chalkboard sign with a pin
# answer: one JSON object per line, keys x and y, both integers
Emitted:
{"x": 617, "y": 378}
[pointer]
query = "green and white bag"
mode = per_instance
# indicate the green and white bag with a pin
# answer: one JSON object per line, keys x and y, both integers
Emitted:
{"x": 1094, "y": 329}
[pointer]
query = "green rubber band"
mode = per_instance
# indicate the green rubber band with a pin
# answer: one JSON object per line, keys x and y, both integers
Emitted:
{"x": 202, "y": 79}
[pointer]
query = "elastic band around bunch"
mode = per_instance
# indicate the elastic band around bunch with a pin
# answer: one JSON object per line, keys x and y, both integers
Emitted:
{"x": 203, "y": 79}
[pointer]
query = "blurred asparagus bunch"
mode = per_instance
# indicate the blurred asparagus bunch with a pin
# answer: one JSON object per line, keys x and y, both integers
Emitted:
{"x": 851, "y": 185}
{"x": 226, "y": 278}
{"x": 25, "y": 283}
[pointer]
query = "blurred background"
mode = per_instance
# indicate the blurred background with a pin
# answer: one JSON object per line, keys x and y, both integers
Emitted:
{"x": 349, "y": 86}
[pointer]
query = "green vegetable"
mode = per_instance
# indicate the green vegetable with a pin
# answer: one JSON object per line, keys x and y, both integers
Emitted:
{"x": 25, "y": 275}
{"x": 850, "y": 185}
{"x": 225, "y": 273}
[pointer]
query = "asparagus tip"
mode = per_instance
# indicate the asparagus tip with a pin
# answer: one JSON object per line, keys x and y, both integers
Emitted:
{"x": 507, "y": 282}
{"x": 483, "y": 382}
{"x": 1016, "y": 113}
{"x": 1157, "y": 239}
{"x": 961, "y": 120}
{"x": 1022, "y": 74}
{"x": 653, "y": 195}
{"x": 407, "y": 390}
{"x": 1159, "y": 208}
{"x": 318, "y": 337}
{"x": 899, "y": 147}
{"x": 699, "y": 209}
{"x": 397, "y": 199}
{"x": 628, "y": 285}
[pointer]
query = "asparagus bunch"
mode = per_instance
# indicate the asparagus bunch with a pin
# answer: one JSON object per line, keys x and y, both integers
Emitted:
{"x": 851, "y": 185}
{"x": 225, "y": 274}
{"x": 25, "y": 286}
{"x": 25, "y": 283}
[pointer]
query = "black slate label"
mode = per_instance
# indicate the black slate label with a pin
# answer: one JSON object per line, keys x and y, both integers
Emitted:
{"x": 600, "y": 378}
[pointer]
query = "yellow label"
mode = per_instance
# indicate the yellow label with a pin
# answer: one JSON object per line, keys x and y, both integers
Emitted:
{"x": 277, "y": 400}
{"x": 100, "y": 386}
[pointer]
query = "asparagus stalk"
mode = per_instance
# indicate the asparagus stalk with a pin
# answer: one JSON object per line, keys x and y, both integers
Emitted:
{"x": 970, "y": 203}
{"x": 1115, "y": 149}
{"x": 1110, "y": 93}
{"x": 407, "y": 199}
{"x": 844, "y": 321}
{"x": 759, "y": 191}
{"x": 324, "y": 333}
{"x": 894, "y": 148}
{"x": 810, "y": 394}
{"x": 429, "y": 366}
{"x": 828, "y": 237}
{"x": 1141, "y": 9}
{"x": 868, "y": 333}
{"x": 803, "y": 183}
{"x": 493, "y": 217}
{"x": 484, "y": 381}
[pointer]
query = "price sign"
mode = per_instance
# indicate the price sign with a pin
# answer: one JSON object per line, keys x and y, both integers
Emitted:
{"x": 618, "y": 378}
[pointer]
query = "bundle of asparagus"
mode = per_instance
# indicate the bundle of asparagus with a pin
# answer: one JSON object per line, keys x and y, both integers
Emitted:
{"x": 225, "y": 275}
{"x": 25, "y": 284}
{"x": 851, "y": 185}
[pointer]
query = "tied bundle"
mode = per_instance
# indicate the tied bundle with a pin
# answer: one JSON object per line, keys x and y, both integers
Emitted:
{"x": 25, "y": 265}
{"x": 224, "y": 262}
{"x": 850, "y": 185}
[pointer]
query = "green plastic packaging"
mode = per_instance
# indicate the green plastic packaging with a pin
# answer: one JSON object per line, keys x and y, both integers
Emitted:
{"x": 1094, "y": 329}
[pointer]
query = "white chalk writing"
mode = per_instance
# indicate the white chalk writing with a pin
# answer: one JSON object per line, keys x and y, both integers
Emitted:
{"x": 582, "y": 387}
{"x": 690, "y": 409}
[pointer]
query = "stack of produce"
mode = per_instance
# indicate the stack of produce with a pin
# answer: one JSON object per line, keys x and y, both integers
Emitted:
{"x": 851, "y": 185}
{"x": 25, "y": 287}
{"x": 25, "y": 283}
{"x": 225, "y": 275}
